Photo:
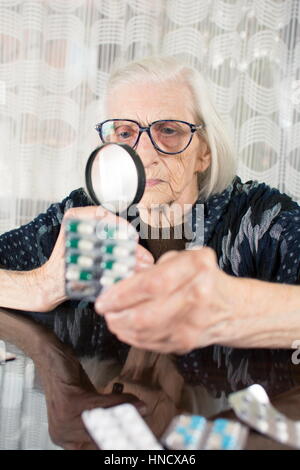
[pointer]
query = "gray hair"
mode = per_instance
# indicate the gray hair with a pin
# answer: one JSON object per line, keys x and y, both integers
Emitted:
{"x": 161, "y": 69}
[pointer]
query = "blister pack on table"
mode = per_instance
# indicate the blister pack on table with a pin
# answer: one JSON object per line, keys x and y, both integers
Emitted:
{"x": 253, "y": 407}
{"x": 192, "y": 432}
{"x": 120, "y": 427}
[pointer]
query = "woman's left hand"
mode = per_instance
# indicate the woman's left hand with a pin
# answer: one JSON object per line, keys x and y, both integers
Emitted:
{"x": 183, "y": 302}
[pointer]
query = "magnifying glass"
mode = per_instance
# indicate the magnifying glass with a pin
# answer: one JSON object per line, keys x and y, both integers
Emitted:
{"x": 98, "y": 253}
{"x": 115, "y": 177}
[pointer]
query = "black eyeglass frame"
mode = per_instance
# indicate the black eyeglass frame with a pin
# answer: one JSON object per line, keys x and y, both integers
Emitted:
{"x": 193, "y": 127}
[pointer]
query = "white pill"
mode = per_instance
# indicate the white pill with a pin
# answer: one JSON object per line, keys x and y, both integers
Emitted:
{"x": 85, "y": 245}
{"x": 124, "y": 266}
{"x": 72, "y": 274}
{"x": 107, "y": 280}
{"x": 86, "y": 229}
{"x": 85, "y": 261}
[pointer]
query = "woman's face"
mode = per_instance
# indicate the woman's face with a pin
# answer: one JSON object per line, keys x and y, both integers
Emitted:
{"x": 170, "y": 178}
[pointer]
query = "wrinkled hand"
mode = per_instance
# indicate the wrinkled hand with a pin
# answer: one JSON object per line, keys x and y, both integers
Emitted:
{"x": 182, "y": 303}
{"x": 51, "y": 276}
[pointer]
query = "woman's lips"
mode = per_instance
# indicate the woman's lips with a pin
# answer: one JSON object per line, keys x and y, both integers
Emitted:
{"x": 153, "y": 182}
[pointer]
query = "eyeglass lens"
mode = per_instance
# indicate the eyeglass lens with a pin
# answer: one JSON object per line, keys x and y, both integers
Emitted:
{"x": 169, "y": 136}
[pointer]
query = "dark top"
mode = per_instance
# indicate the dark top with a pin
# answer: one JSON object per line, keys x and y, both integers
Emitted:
{"x": 255, "y": 232}
{"x": 163, "y": 239}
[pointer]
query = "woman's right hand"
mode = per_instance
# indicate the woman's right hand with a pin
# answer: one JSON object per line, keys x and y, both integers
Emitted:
{"x": 50, "y": 277}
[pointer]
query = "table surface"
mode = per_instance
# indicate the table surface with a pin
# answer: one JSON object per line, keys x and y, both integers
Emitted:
{"x": 23, "y": 410}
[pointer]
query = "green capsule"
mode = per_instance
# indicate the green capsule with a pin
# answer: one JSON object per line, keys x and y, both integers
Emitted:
{"x": 108, "y": 264}
{"x": 108, "y": 249}
{"x": 117, "y": 279}
{"x": 73, "y": 259}
{"x": 72, "y": 226}
{"x": 81, "y": 226}
{"x": 110, "y": 232}
{"x": 85, "y": 276}
{"x": 73, "y": 243}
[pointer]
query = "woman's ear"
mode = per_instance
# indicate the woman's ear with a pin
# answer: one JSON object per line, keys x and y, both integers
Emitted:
{"x": 203, "y": 159}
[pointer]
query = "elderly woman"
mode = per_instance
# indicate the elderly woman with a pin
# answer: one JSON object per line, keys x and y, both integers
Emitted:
{"x": 223, "y": 309}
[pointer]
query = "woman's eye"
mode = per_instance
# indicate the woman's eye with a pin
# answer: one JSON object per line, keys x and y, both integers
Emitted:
{"x": 168, "y": 131}
{"x": 123, "y": 134}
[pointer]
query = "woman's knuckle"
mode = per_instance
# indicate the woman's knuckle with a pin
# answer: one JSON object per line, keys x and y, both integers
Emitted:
{"x": 204, "y": 259}
{"x": 196, "y": 292}
{"x": 151, "y": 286}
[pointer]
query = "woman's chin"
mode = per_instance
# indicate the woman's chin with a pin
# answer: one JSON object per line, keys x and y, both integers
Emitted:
{"x": 154, "y": 198}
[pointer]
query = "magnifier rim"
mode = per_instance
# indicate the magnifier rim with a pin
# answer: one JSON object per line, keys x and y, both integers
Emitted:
{"x": 88, "y": 172}
{"x": 138, "y": 164}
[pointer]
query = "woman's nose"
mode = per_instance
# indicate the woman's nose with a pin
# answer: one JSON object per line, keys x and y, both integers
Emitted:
{"x": 146, "y": 151}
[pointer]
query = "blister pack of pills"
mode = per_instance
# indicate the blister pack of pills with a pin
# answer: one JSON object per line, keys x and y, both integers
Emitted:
{"x": 253, "y": 407}
{"x": 119, "y": 428}
{"x": 192, "y": 432}
{"x": 98, "y": 254}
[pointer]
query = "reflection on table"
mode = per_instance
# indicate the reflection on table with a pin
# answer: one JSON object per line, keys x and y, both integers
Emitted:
{"x": 62, "y": 367}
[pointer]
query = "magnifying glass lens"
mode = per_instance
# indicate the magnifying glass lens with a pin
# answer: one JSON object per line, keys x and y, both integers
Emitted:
{"x": 115, "y": 177}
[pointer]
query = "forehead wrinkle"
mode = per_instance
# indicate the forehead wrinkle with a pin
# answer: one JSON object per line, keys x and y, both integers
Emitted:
{"x": 175, "y": 102}
{"x": 143, "y": 122}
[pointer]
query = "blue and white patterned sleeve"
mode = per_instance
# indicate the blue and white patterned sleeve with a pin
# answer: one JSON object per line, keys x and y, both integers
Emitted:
{"x": 278, "y": 255}
{"x": 30, "y": 245}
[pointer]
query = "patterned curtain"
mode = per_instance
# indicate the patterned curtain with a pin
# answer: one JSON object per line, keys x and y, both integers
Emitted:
{"x": 55, "y": 56}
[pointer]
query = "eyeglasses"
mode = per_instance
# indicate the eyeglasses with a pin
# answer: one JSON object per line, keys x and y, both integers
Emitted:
{"x": 167, "y": 136}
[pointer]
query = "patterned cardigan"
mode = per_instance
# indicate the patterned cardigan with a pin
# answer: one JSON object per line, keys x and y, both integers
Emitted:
{"x": 255, "y": 232}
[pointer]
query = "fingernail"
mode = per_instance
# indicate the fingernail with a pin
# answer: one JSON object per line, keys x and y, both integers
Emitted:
{"x": 101, "y": 305}
{"x": 103, "y": 301}
{"x": 147, "y": 257}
